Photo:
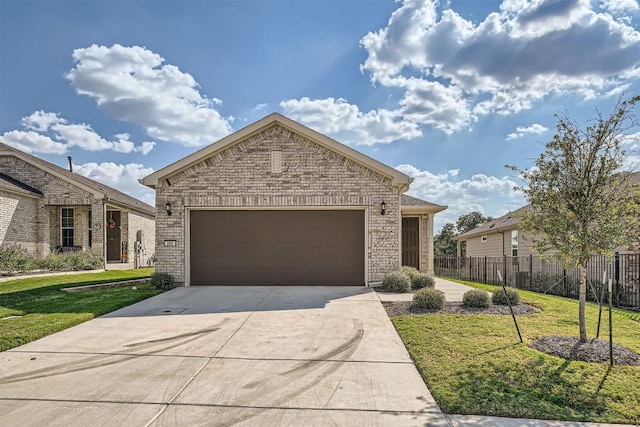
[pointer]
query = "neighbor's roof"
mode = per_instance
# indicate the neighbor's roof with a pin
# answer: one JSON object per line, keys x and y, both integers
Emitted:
{"x": 99, "y": 190}
{"x": 505, "y": 222}
{"x": 11, "y": 184}
{"x": 398, "y": 178}
{"x": 409, "y": 203}
{"x": 510, "y": 220}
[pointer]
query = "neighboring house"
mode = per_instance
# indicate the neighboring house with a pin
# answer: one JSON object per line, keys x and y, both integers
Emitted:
{"x": 498, "y": 237}
{"x": 503, "y": 236}
{"x": 279, "y": 203}
{"x": 46, "y": 208}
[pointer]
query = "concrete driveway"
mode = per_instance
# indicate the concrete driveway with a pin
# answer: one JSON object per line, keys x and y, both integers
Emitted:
{"x": 221, "y": 356}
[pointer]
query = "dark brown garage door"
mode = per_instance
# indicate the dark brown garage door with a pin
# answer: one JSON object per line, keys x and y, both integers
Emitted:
{"x": 277, "y": 247}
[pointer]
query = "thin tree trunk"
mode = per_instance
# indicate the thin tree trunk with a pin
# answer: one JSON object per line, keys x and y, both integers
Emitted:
{"x": 582, "y": 302}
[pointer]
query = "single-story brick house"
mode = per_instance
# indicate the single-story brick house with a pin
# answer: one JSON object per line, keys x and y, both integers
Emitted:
{"x": 498, "y": 237}
{"x": 46, "y": 208}
{"x": 504, "y": 236}
{"x": 279, "y": 203}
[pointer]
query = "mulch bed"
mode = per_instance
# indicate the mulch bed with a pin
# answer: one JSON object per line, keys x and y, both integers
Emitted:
{"x": 594, "y": 350}
{"x": 401, "y": 308}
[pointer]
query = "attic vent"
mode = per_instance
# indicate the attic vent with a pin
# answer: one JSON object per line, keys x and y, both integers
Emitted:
{"x": 276, "y": 162}
{"x": 492, "y": 225}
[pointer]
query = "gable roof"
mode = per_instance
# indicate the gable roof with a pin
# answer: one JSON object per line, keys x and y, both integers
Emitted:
{"x": 510, "y": 220}
{"x": 99, "y": 190}
{"x": 398, "y": 178}
{"x": 410, "y": 204}
{"x": 505, "y": 222}
{"x": 11, "y": 184}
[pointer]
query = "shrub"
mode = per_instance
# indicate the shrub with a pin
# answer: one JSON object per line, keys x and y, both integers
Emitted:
{"x": 396, "y": 281}
{"x": 75, "y": 261}
{"x": 422, "y": 280}
{"x": 477, "y": 298}
{"x": 429, "y": 298}
{"x": 162, "y": 281}
{"x": 499, "y": 297}
{"x": 411, "y": 272}
{"x": 14, "y": 259}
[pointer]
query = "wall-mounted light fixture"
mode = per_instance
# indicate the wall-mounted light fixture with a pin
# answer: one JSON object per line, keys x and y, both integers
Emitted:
{"x": 383, "y": 208}
{"x": 167, "y": 207}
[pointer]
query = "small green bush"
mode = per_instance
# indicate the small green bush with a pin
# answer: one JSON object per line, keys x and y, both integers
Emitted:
{"x": 422, "y": 280}
{"x": 411, "y": 272}
{"x": 163, "y": 281}
{"x": 477, "y": 298}
{"x": 75, "y": 261}
{"x": 500, "y": 298}
{"x": 14, "y": 259}
{"x": 396, "y": 281}
{"x": 429, "y": 298}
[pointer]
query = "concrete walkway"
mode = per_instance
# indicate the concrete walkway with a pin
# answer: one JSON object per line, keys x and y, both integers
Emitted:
{"x": 453, "y": 292}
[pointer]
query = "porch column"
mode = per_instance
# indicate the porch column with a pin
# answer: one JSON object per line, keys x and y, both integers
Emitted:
{"x": 430, "y": 269}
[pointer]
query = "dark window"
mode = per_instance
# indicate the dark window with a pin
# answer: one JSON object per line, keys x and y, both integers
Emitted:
{"x": 66, "y": 224}
{"x": 90, "y": 226}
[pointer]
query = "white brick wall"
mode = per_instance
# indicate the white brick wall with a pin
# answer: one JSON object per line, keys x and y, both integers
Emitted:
{"x": 311, "y": 176}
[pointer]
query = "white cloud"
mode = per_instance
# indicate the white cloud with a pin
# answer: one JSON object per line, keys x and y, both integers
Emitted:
{"x": 72, "y": 135}
{"x": 617, "y": 7}
{"x": 484, "y": 193}
{"x": 41, "y": 121}
{"x": 453, "y": 70}
{"x": 503, "y": 64}
{"x": 347, "y": 123}
{"x": 631, "y": 145}
{"x": 32, "y": 142}
{"x": 133, "y": 85}
{"x": 521, "y": 131}
{"x": 124, "y": 177}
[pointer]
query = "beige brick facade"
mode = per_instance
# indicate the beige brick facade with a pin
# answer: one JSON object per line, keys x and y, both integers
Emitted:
{"x": 33, "y": 220}
{"x": 18, "y": 225}
{"x": 312, "y": 176}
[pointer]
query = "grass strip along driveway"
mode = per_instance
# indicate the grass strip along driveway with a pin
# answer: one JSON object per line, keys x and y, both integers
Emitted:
{"x": 475, "y": 364}
{"x": 44, "y": 309}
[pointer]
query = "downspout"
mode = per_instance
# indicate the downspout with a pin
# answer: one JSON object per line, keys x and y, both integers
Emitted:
{"x": 502, "y": 233}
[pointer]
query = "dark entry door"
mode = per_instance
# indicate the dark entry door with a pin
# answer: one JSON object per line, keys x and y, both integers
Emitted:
{"x": 411, "y": 242}
{"x": 113, "y": 236}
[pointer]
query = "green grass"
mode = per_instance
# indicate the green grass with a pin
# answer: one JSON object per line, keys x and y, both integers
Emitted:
{"x": 45, "y": 309}
{"x": 475, "y": 364}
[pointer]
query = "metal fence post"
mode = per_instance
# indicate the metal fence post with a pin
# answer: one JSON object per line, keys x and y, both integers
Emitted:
{"x": 616, "y": 274}
{"x": 530, "y": 271}
{"x": 504, "y": 269}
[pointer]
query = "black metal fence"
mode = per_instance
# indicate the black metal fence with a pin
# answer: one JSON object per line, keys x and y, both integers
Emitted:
{"x": 550, "y": 277}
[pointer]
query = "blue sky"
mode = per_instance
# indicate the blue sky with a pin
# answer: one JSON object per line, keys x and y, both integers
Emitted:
{"x": 447, "y": 92}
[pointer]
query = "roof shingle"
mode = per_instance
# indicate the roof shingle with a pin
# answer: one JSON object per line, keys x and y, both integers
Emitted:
{"x": 109, "y": 192}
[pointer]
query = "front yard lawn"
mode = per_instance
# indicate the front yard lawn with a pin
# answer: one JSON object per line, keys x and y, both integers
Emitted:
{"x": 475, "y": 364}
{"x": 44, "y": 309}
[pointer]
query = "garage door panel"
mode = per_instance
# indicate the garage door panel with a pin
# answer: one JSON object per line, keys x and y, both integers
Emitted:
{"x": 321, "y": 277}
{"x": 277, "y": 247}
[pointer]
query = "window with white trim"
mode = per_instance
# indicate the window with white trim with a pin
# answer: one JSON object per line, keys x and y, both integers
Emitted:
{"x": 514, "y": 243}
{"x": 66, "y": 227}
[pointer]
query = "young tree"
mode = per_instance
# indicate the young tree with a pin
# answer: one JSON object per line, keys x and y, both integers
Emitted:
{"x": 583, "y": 204}
{"x": 470, "y": 221}
{"x": 443, "y": 243}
